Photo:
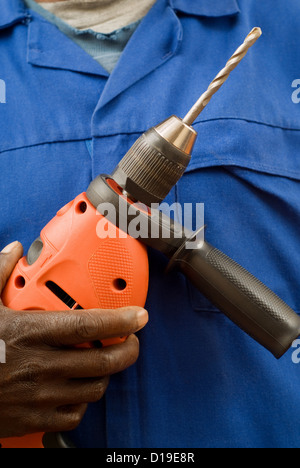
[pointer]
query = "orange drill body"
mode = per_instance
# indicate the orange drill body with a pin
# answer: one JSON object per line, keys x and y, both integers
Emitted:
{"x": 75, "y": 269}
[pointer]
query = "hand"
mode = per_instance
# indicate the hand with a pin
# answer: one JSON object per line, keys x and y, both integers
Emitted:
{"x": 46, "y": 383}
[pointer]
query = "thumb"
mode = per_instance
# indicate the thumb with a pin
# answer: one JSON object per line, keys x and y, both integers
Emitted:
{"x": 9, "y": 257}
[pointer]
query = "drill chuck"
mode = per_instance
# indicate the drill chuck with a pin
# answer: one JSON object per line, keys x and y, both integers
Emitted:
{"x": 156, "y": 161}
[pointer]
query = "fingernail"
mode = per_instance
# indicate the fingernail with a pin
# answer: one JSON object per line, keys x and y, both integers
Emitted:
{"x": 9, "y": 248}
{"x": 142, "y": 317}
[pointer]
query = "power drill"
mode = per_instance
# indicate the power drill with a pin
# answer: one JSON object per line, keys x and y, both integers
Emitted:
{"x": 71, "y": 267}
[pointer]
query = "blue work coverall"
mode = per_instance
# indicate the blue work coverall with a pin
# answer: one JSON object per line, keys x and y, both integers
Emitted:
{"x": 199, "y": 381}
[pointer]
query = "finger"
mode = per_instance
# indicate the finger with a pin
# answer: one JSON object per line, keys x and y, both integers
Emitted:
{"x": 64, "y": 418}
{"x": 69, "y": 417}
{"x": 70, "y": 328}
{"x": 73, "y": 392}
{"x": 9, "y": 257}
{"x": 95, "y": 363}
{"x": 86, "y": 391}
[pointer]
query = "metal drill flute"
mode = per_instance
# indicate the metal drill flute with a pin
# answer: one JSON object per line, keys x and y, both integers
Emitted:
{"x": 220, "y": 79}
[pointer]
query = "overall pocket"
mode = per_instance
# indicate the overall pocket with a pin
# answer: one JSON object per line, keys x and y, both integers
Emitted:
{"x": 247, "y": 175}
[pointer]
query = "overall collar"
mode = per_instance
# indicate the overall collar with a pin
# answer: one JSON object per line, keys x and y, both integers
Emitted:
{"x": 48, "y": 47}
{"x": 165, "y": 29}
{"x": 13, "y": 11}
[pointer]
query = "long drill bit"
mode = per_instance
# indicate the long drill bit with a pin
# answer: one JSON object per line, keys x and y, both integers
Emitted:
{"x": 222, "y": 76}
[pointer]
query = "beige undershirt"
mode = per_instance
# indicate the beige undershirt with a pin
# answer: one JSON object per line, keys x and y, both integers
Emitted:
{"x": 102, "y": 16}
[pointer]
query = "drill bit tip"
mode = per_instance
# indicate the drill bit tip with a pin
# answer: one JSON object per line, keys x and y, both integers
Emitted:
{"x": 256, "y": 32}
{"x": 222, "y": 76}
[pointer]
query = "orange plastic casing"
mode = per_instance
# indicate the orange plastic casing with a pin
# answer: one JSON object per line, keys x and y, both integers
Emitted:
{"x": 96, "y": 272}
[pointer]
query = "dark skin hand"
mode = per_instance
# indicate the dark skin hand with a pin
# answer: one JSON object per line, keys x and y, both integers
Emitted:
{"x": 46, "y": 384}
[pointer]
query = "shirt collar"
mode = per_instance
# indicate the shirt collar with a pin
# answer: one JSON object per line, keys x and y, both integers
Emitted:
{"x": 12, "y": 11}
{"x": 212, "y": 8}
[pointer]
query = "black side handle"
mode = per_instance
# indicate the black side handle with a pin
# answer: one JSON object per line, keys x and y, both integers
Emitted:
{"x": 240, "y": 296}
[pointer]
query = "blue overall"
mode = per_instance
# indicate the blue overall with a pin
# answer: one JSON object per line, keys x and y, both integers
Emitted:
{"x": 199, "y": 380}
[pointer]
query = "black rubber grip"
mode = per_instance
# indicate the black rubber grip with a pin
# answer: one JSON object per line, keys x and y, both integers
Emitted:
{"x": 241, "y": 297}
